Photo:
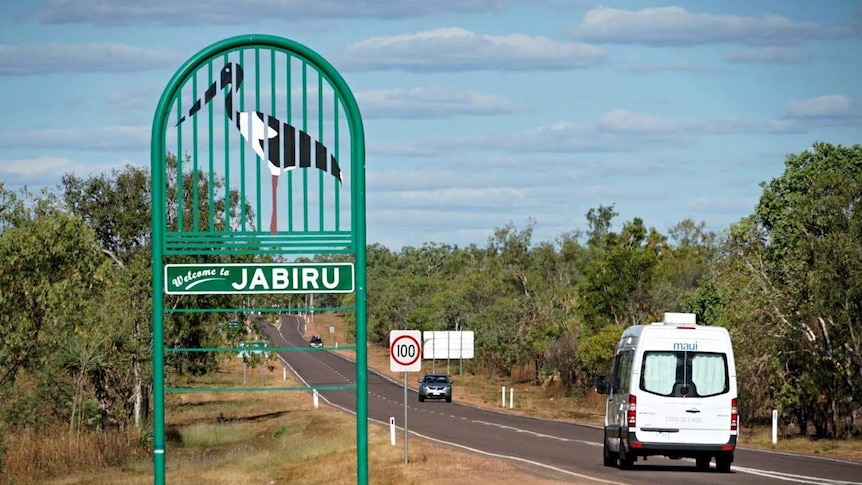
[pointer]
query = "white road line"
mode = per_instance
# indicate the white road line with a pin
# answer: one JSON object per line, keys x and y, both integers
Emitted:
{"x": 539, "y": 435}
{"x": 518, "y": 459}
{"x": 784, "y": 453}
{"x": 789, "y": 477}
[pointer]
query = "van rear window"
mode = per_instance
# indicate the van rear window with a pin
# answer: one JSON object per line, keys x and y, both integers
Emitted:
{"x": 684, "y": 373}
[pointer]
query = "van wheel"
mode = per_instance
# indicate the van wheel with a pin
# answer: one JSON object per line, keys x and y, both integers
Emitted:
{"x": 625, "y": 461}
{"x": 702, "y": 462}
{"x": 609, "y": 460}
{"x": 723, "y": 461}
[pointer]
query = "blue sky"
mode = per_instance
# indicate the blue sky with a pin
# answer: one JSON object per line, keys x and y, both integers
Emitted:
{"x": 477, "y": 113}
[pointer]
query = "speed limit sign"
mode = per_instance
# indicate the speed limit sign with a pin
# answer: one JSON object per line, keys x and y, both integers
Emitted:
{"x": 405, "y": 351}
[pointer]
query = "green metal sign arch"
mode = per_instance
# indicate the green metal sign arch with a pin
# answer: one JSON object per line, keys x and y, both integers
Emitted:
{"x": 255, "y": 125}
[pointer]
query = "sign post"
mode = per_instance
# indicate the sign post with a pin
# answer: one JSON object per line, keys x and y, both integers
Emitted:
{"x": 405, "y": 355}
{"x": 257, "y": 153}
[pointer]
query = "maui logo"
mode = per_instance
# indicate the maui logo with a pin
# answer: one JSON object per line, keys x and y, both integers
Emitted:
{"x": 685, "y": 346}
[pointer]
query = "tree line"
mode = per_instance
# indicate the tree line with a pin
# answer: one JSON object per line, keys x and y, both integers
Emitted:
{"x": 786, "y": 280}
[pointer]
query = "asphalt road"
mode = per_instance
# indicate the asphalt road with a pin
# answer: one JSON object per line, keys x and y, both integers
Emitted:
{"x": 554, "y": 449}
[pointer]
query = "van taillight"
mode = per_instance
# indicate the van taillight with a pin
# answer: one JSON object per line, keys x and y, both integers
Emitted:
{"x": 734, "y": 415}
{"x": 631, "y": 414}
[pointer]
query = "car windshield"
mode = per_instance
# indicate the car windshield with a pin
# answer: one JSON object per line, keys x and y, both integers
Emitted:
{"x": 439, "y": 379}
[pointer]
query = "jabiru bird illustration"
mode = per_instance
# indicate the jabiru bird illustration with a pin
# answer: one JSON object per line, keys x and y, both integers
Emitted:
{"x": 258, "y": 128}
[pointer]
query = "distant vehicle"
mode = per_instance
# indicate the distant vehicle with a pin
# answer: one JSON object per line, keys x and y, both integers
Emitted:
{"x": 672, "y": 393}
{"x": 316, "y": 342}
{"x": 435, "y": 386}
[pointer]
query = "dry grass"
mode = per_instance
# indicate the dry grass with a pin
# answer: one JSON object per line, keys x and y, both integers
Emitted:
{"x": 35, "y": 455}
{"x": 278, "y": 438}
{"x": 761, "y": 438}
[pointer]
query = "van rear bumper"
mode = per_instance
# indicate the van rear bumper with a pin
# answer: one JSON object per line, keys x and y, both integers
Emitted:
{"x": 632, "y": 445}
{"x": 632, "y": 442}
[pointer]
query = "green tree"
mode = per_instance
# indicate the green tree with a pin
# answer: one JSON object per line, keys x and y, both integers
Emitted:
{"x": 690, "y": 255}
{"x": 811, "y": 218}
{"x": 618, "y": 280}
{"x": 116, "y": 207}
{"x": 596, "y": 352}
{"x": 49, "y": 271}
{"x": 599, "y": 220}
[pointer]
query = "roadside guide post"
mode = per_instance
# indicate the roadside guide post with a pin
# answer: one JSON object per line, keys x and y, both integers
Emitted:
{"x": 405, "y": 355}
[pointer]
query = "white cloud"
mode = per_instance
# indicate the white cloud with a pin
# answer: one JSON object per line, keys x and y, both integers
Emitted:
{"x": 828, "y": 106}
{"x": 721, "y": 205}
{"x": 196, "y": 12}
{"x": 676, "y": 26}
{"x": 669, "y": 66}
{"x": 31, "y": 59}
{"x": 45, "y": 170}
{"x": 99, "y": 139}
{"x": 396, "y": 228}
{"x": 386, "y": 181}
{"x": 485, "y": 197}
{"x": 657, "y": 127}
{"x": 775, "y": 55}
{"x": 39, "y": 165}
{"x": 430, "y": 102}
{"x": 458, "y": 49}
{"x": 625, "y": 121}
{"x": 618, "y": 130}
{"x": 407, "y": 148}
{"x": 136, "y": 98}
{"x": 560, "y": 138}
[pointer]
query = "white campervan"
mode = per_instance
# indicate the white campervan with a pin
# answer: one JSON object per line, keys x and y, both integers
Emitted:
{"x": 672, "y": 393}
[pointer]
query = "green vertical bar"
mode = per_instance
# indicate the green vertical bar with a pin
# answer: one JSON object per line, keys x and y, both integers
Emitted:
{"x": 158, "y": 163}
{"x": 272, "y": 81}
{"x": 211, "y": 181}
{"x": 320, "y": 174}
{"x": 336, "y": 122}
{"x": 158, "y": 325}
{"x": 257, "y": 108}
{"x": 179, "y": 156}
{"x": 272, "y": 96}
{"x": 289, "y": 91}
{"x": 242, "y": 198}
{"x": 357, "y": 177}
{"x": 195, "y": 201}
{"x": 305, "y": 129}
{"x": 227, "y": 133}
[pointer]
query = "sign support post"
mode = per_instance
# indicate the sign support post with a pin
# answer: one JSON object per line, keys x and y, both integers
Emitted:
{"x": 405, "y": 418}
{"x": 405, "y": 354}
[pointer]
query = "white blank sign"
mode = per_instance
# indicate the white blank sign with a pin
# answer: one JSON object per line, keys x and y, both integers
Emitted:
{"x": 447, "y": 345}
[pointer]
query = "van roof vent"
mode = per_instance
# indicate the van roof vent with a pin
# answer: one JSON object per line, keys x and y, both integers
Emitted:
{"x": 679, "y": 319}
